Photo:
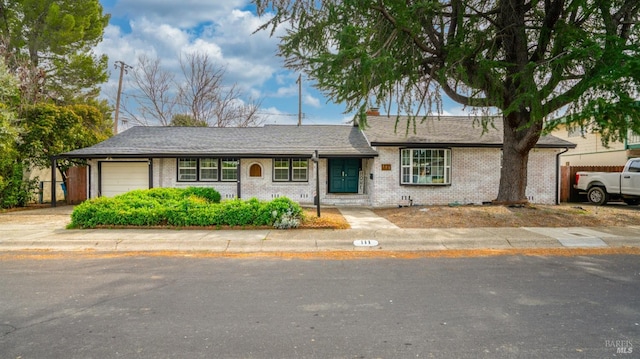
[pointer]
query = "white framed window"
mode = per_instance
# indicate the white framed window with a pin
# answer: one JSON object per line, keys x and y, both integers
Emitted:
{"x": 633, "y": 138}
{"x": 300, "y": 169}
{"x": 290, "y": 169}
{"x": 208, "y": 169}
{"x": 425, "y": 166}
{"x": 187, "y": 169}
{"x": 229, "y": 169}
{"x": 281, "y": 169}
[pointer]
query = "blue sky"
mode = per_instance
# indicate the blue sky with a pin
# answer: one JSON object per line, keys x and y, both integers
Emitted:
{"x": 222, "y": 29}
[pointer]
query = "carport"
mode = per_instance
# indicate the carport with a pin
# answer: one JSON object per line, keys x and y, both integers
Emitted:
{"x": 115, "y": 176}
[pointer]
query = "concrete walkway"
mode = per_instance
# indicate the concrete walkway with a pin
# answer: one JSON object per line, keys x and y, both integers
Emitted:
{"x": 44, "y": 229}
{"x": 363, "y": 218}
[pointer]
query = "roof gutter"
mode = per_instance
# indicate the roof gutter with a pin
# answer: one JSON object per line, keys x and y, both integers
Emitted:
{"x": 454, "y": 144}
{"x": 219, "y": 155}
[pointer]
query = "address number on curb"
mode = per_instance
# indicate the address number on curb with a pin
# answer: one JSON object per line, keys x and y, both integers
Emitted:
{"x": 365, "y": 243}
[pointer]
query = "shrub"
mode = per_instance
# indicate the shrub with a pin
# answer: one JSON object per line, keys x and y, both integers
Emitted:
{"x": 239, "y": 213}
{"x": 207, "y": 193}
{"x": 285, "y": 213}
{"x": 14, "y": 190}
{"x": 286, "y": 221}
{"x": 192, "y": 206}
{"x": 154, "y": 193}
{"x": 173, "y": 194}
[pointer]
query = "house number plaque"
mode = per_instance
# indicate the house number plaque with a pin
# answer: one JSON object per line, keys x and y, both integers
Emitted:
{"x": 386, "y": 166}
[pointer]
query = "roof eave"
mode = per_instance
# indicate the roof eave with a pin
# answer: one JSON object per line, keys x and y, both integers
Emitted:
{"x": 434, "y": 144}
{"x": 465, "y": 145}
{"x": 201, "y": 155}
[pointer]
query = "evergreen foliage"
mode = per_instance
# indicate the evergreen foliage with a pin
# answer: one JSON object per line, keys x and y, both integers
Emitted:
{"x": 49, "y": 43}
{"x": 529, "y": 60}
{"x": 192, "y": 206}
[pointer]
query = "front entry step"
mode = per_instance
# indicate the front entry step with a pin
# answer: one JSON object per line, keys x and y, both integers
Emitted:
{"x": 359, "y": 200}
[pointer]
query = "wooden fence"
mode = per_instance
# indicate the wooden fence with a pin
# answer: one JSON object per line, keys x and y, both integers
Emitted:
{"x": 76, "y": 185}
{"x": 568, "y": 179}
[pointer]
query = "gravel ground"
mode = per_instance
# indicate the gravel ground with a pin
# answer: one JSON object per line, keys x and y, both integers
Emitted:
{"x": 471, "y": 216}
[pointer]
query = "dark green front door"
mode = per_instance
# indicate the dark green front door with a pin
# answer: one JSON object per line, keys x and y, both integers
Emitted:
{"x": 343, "y": 175}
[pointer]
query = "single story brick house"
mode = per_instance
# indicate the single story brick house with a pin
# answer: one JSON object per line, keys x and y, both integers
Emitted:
{"x": 445, "y": 160}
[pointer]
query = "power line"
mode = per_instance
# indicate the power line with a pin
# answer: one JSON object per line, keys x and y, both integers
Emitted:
{"x": 277, "y": 114}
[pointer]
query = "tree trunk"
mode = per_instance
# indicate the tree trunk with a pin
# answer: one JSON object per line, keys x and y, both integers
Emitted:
{"x": 519, "y": 139}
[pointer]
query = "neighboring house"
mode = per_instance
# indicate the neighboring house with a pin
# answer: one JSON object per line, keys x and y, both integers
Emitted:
{"x": 590, "y": 151}
{"x": 446, "y": 160}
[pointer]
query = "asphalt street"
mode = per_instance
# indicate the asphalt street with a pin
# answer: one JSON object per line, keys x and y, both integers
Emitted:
{"x": 183, "y": 307}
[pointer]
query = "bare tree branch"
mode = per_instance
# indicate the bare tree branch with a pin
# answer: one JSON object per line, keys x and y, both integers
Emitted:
{"x": 152, "y": 97}
{"x": 201, "y": 95}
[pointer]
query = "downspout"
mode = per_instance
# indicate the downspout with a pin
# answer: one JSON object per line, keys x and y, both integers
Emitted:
{"x": 150, "y": 163}
{"x": 239, "y": 188}
{"x": 88, "y": 181}
{"x": 558, "y": 174}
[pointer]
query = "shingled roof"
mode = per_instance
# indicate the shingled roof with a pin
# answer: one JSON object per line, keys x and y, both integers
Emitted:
{"x": 300, "y": 141}
{"x": 267, "y": 141}
{"x": 443, "y": 131}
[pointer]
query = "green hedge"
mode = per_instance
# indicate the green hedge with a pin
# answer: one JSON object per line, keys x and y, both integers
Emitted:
{"x": 192, "y": 206}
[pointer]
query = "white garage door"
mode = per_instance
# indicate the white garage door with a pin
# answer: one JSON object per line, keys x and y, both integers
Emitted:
{"x": 120, "y": 177}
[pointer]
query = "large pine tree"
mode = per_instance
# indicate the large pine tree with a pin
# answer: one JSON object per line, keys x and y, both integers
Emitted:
{"x": 50, "y": 42}
{"x": 529, "y": 59}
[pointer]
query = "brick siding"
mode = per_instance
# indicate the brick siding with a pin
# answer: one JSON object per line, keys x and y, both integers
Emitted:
{"x": 475, "y": 173}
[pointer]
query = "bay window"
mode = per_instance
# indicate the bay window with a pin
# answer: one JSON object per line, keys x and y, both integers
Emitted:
{"x": 424, "y": 166}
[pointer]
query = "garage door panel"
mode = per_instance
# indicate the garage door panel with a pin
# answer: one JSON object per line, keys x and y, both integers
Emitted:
{"x": 121, "y": 177}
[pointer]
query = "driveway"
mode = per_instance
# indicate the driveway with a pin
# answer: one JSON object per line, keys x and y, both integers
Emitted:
{"x": 57, "y": 217}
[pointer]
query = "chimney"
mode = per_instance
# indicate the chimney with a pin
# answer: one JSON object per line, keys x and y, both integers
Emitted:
{"x": 373, "y": 111}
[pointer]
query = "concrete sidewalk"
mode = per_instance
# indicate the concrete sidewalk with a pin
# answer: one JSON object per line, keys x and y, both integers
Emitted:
{"x": 43, "y": 234}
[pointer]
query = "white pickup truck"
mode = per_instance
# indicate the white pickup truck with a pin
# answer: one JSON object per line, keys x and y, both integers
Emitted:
{"x": 603, "y": 186}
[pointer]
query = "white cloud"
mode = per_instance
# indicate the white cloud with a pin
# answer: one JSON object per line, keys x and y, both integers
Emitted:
{"x": 184, "y": 13}
{"x": 291, "y": 90}
{"x": 201, "y": 46}
{"x": 222, "y": 29}
{"x": 273, "y": 116}
{"x": 311, "y": 101}
{"x": 160, "y": 29}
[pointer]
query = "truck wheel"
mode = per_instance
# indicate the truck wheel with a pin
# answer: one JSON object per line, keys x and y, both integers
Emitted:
{"x": 632, "y": 201}
{"x": 598, "y": 195}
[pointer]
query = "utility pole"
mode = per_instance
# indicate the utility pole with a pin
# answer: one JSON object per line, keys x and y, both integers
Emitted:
{"x": 124, "y": 68}
{"x": 299, "y": 82}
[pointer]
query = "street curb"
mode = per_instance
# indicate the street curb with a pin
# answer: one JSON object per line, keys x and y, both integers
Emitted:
{"x": 43, "y": 254}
